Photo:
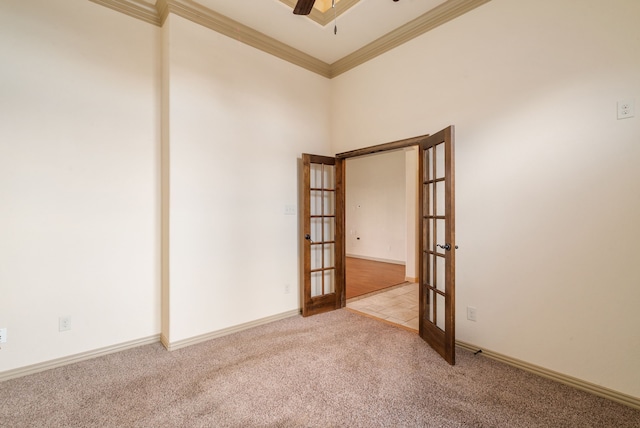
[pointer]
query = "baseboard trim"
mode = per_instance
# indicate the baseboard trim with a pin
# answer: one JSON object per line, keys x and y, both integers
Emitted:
{"x": 76, "y": 358}
{"x": 592, "y": 388}
{"x": 172, "y": 346}
{"x": 376, "y": 259}
{"x": 164, "y": 341}
{"x": 410, "y": 279}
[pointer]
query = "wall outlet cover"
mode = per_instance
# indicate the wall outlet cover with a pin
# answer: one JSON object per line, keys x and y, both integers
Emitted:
{"x": 64, "y": 323}
{"x": 626, "y": 109}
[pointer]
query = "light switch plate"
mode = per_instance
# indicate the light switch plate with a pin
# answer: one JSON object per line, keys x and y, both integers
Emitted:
{"x": 471, "y": 313}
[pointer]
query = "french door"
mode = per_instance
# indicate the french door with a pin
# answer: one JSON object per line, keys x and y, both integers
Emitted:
{"x": 323, "y": 226}
{"x": 324, "y": 245}
{"x": 437, "y": 243}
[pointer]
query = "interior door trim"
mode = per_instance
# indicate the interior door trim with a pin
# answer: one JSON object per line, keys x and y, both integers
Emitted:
{"x": 400, "y": 144}
{"x": 340, "y": 195}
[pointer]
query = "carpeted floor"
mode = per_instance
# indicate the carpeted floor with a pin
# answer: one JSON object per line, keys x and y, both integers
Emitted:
{"x": 333, "y": 370}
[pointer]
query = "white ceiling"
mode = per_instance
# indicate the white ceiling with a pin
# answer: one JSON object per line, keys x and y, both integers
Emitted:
{"x": 363, "y": 23}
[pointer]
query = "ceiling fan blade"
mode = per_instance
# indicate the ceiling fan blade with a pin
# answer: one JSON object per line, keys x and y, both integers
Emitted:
{"x": 303, "y": 7}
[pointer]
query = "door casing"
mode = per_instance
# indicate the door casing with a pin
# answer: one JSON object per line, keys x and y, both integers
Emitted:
{"x": 310, "y": 307}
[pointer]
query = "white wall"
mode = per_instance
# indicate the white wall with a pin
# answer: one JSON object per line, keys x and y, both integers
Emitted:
{"x": 79, "y": 179}
{"x": 239, "y": 121}
{"x": 547, "y": 180}
{"x": 376, "y": 207}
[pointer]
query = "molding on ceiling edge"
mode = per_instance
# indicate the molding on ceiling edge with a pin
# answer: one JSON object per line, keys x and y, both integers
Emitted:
{"x": 201, "y": 15}
{"x": 437, "y": 16}
{"x": 134, "y": 8}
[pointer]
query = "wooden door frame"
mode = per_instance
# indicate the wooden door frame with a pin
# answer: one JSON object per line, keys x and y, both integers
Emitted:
{"x": 386, "y": 147}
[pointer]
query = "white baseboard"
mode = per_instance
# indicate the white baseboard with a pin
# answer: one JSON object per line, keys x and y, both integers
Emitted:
{"x": 172, "y": 346}
{"x": 598, "y": 390}
{"x": 59, "y": 362}
{"x": 376, "y": 259}
{"x": 76, "y": 358}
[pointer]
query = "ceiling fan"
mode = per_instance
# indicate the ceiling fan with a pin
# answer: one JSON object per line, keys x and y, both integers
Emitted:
{"x": 303, "y": 7}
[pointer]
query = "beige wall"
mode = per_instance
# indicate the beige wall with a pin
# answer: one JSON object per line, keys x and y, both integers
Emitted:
{"x": 79, "y": 179}
{"x": 376, "y": 207}
{"x": 239, "y": 120}
{"x": 381, "y": 208}
{"x": 547, "y": 179}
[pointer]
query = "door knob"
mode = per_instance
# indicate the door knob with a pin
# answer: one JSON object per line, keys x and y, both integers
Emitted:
{"x": 308, "y": 238}
{"x": 446, "y": 246}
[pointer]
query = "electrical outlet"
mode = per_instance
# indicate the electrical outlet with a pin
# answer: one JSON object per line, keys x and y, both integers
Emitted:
{"x": 3, "y": 335}
{"x": 471, "y": 313}
{"x": 287, "y": 289}
{"x": 64, "y": 323}
{"x": 626, "y": 109}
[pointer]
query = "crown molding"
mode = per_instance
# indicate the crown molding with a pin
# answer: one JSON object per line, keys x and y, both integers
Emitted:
{"x": 198, "y": 14}
{"x": 208, "y": 18}
{"x": 135, "y": 8}
{"x": 324, "y": 18}
{"x": 435, "y": 17}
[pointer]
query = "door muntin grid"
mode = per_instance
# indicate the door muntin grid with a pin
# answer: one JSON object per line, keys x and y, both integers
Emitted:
{"x": 323, "y": 228}
{"x": 433, "y": 233}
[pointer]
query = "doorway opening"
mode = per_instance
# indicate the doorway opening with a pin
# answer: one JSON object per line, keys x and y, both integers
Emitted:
{"x": 381, "y": 235}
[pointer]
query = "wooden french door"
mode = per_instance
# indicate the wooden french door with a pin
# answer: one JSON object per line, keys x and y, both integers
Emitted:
{"x": 437, "y": 243}
{"x": 323, "y": 224}
{"x": 324, "y": 246}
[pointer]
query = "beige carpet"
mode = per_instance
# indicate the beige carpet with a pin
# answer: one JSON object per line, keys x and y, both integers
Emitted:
{"x": 332, "y": 370}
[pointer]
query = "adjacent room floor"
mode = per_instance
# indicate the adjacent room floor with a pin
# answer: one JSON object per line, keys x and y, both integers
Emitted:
{"x": 368, "y": 276}
{"x": 398, "y": 305}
